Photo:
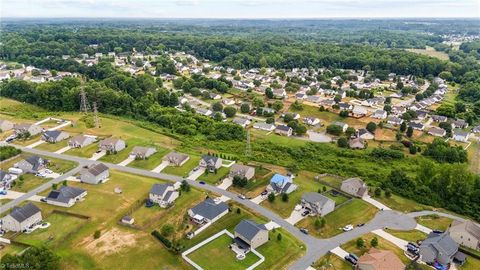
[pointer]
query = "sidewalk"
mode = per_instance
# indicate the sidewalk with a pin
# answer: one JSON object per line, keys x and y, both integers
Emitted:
{"x": 375, "y": 203}
{"x": 15, "y": 194}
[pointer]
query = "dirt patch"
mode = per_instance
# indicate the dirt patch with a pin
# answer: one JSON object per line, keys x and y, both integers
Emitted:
{"x": 109, "y": 242}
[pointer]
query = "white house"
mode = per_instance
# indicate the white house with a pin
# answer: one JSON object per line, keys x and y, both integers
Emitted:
{"x": 163, "y": 194}
{"x": 21, "y": 218}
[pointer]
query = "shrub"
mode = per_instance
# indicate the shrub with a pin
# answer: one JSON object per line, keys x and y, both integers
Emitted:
{"x": 271, "y": 197}
{"x": 97, "y": 234}
{"x": 165, "y": 241}
{"x": 167, "y": 230}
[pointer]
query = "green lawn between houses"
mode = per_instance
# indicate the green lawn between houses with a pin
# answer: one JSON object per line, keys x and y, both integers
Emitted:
{"x": 85, "y": 152}
{"x": 152, "y": 161}
{"x": 214, "y": 178}
{"x": 331, "y": 261}
{"x": 224, "y": 257}
{"x": 434, "y": 222}
{"x": 185, "y": 168}
{"x": 353, "y": 212}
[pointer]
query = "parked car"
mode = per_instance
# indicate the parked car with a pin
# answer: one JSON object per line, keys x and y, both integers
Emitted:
{"x": 98, "y": 151}
{"x": 149, "y": 203}
{"x": 305, "y": 213}
{"x": 361, "y": 225}
{"x": 351, "y": 259}
{"x": 265, "y": 192}
{"x": 201, "y": 183}
{"x": 241, "y": 196}
{"x": 437, "y": 231}
{"x": 43, "y": 200}
{"x": 347, "y": 228}
{"x": 48, "y": 171}
{"x": 303, "y": 230}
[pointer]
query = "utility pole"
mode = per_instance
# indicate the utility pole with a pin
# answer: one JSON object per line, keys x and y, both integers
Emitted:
{"x": 95, "y": 115}
{"x": 84, "y": 107}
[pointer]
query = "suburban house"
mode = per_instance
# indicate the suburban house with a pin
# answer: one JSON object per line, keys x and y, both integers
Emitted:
{"x": 32, "y": 164}
{"x": 95, "y": 174}
{"x": 461, "y": 136}
{"x": 394, "y": 120}
{"x": 438, "y": 247}
{"x": 345, "y": 106}
{"x": 140, "y": 152}
{"x": 466, "y": 233}
{"x": 318, "y": 204}
{"x": 436, "y": 131}
{"x": 474, "y": 130}
{"x": 284, "y": 130}
{"x": 376, "y": 259}
{"x": 344, "y": 126}
{"x": 242, "y": 170}
{"x": 416, "y": 126}
{"x": 279, "y": 93}
{"x": 211, "y": 163}
{"x": 163, "y": 194}
{"x": 439, "y": 118}
{"x": 264, "y": 126}
{"x": 30, "y": 128}
{"x": 5, "y": 125}
{"x": 241, "y": 121}
{"x": 127, "y": 220}
{"x": 112, "y": 145}
{"x": 54, "y": 136}
{"x": 379, "y": 114}
{"x": 365, "y": 134}
{"x": 359, "y": 111}
{"x": 80, "y": 141}
{"x": 21, "y": 218}
{"x": 249, "y": 235}
{"x": 460, "y": 123}
{"x": 176, "y": 159}
{"x": 208, "y": 211}
{"x": 356, "y": 143}
{"x": 355, "y": 187}
{"x": 65, "y": 196}
{"x": 6, "y": 179}
{"x": 311, "y": 121}
{"x": 281, "y": 184}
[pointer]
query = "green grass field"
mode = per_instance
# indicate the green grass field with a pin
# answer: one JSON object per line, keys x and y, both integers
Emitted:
{"x": 29, "y": 182}
{"x": 354, "y": 212}
{"x": 402, "y": 204}
{"x": 152, "y": 161}
{"x": 331, "y": 261}
{"x": 123, "y": 154}
{"x": 434, "y": 222}
{"x": 185, "y": 168}
{"x": 224, "y": 256}
{"x": 85, "y": 152}
{"x": 430, "y": 51}
{"x": 52, "y": 147}
{"x": 411, "y": 236}
{"x": 215, "y": 178}
{"x": 61, "y": 226}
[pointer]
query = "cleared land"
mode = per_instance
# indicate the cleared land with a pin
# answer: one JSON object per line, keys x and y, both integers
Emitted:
{"x": 435, "y": 222}
{"x": 430, "y": 51}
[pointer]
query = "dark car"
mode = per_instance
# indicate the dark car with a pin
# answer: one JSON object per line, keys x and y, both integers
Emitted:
{"x": 361, "y": 225}
{"x": 265, "y": 192}
{"x": 149, "y": 203}
{"x": 303, "y": 230}
{"x": 438, "y": 231}
{"x": 306, "y": 213}
{"x": 351, "y": 259}
{"x": 43, "y": 200}
{"x": 201, "y": 183}
{"x": 334, "y": 193}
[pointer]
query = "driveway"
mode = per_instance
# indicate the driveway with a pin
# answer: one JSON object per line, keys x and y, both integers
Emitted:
{"x": 393, "y": 239}
{"x": 35, "y": 144}
{"x": 64, "y": 149}
{"x": 259, "y": 199}
{"x": 271, "y": 225}
{"x": 98, "y": 155}
{"x": 340, "y": 252}
{"x": 160, "y": 167}
{"x": 194, "y": 175}
{"x": 423, "y": 229}
{"x": 376, "y": 203}
{"x": 127, "y": 161}
{"x": 295, "y": 216}
{"x": 226, "y": 183}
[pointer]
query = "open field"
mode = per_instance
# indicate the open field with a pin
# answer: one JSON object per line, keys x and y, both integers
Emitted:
{"x": 85, "y": 152}
{"x": 434, "y": 222}
{"x": 402, "y": 204}
{"x": 430, "y": 51}
{"x": 224, "y": 256}
{"x": 354, "y": 212}
{"x": 52, "y": 147}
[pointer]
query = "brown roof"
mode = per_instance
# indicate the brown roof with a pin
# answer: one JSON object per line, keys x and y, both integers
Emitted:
{"x": 381, "y": 260}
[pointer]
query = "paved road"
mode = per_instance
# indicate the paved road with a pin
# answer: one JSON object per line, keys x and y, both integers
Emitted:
{"x": 315, "y": 248}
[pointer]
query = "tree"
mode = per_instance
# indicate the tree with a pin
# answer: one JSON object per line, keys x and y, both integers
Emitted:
{"x": 258, "y": 102}
{"x": 337, "y": 98}
{"x": 388, "y": 193}
{"x": 288, "y": 117}
{"x": 239, "y": 181}
{"x": 217, "y": 107}
{"x": 374, "y": 242}
{"x": 97, "y": 234}
{"x": 319, "y": 223}
{"x": 269, "y": 93}
{"x": 342, "y": 142}
{"x": 343, "y": 113}
{"x": 378, "y": 192}
{"x": 460, "y": 107}
{"x": 277, "y": 105}
{"x": 403, "y": 127}
{"x": 284, "y": 197}
{"x": 230, "y": 111}
{"x": 245, "y": 108}
{"x": 32, "y": 258}
{"x": 167, "y": 230}
{"x": 239, "y": 211}
{"x": 185, "y": 186}
{"x": 371, "y": 127}
{"x": 271, "y": 197}
{"x": 360, "y": 243}
{"x": 350, "y": 131}
{"x": 297, "y": 106}
{"x": 409, "y": 132}
{"x": 279, "y": 237}
{"x": 300, "y": 129}
{"x": 334, "y": 130}
{"x": 217, "y": 116}
{"x": 412, "y": 149}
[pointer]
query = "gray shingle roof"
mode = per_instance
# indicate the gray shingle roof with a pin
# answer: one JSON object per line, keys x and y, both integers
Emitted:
{"x": 159, "y": 189}
{"x": 36, "y": 161}
{"x": 64, "y": 194}
{"x": 209, "y": 209}
{"x": 248, "y": 228}
{"x": 52, "y": 134}
{"x": 442, "y": 243}
{"x": 22, "y": 213}
{"x": 314, "y": 198}
{"x": 97, "y": 169}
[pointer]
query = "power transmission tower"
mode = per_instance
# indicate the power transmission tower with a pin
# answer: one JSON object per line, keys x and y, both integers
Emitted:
{"x": 248, "y": 149}
{"x": 95, "y": 115}
{"x": 84, "y": 107}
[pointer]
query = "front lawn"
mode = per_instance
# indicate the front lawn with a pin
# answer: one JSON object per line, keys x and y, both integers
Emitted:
{"x": 214, "y": 178}
{"x": 152, "y": 161}
{"x": 52, "y": 147}
{"x": 354, "y": 212}
{"x": 410, "y": 236}
{"x": 28, "y": 183}
{"x": 402, "y": 204}
{"x": 224, "y": 257}
{"x": 124, "y": 154}
{"x": 85, "y": 152}
{"x": 185, "y": 168}
{"x": 434, "y": 222}
{"x": 331, "y": 261}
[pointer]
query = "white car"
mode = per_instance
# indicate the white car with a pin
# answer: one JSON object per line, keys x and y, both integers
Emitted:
{"x": 48, "y": 171}
{"x": 347, "y": 228}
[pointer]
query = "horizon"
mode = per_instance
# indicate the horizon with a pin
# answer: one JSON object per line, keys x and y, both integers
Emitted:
{"x": 240, "y": 9}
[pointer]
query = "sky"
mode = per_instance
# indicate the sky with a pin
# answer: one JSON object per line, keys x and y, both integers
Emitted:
{"x": 240, "y": 8}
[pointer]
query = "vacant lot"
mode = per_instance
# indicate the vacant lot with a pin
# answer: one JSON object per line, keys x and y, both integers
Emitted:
{"x": 411, "y": 236}
{"x": 52, "y": 147}
{"x": 152, "y": 161}
{"x": 331, "y": 261}
{"x": 224, "y": 257}
{"x": 402, "y": 204}
{"x": 214, "y": 178}
{"x": 435, "y": 222}
{"x": 430, "y": 51}
{"x": 353, "y": 212}
{"x": 185, "y": 169}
